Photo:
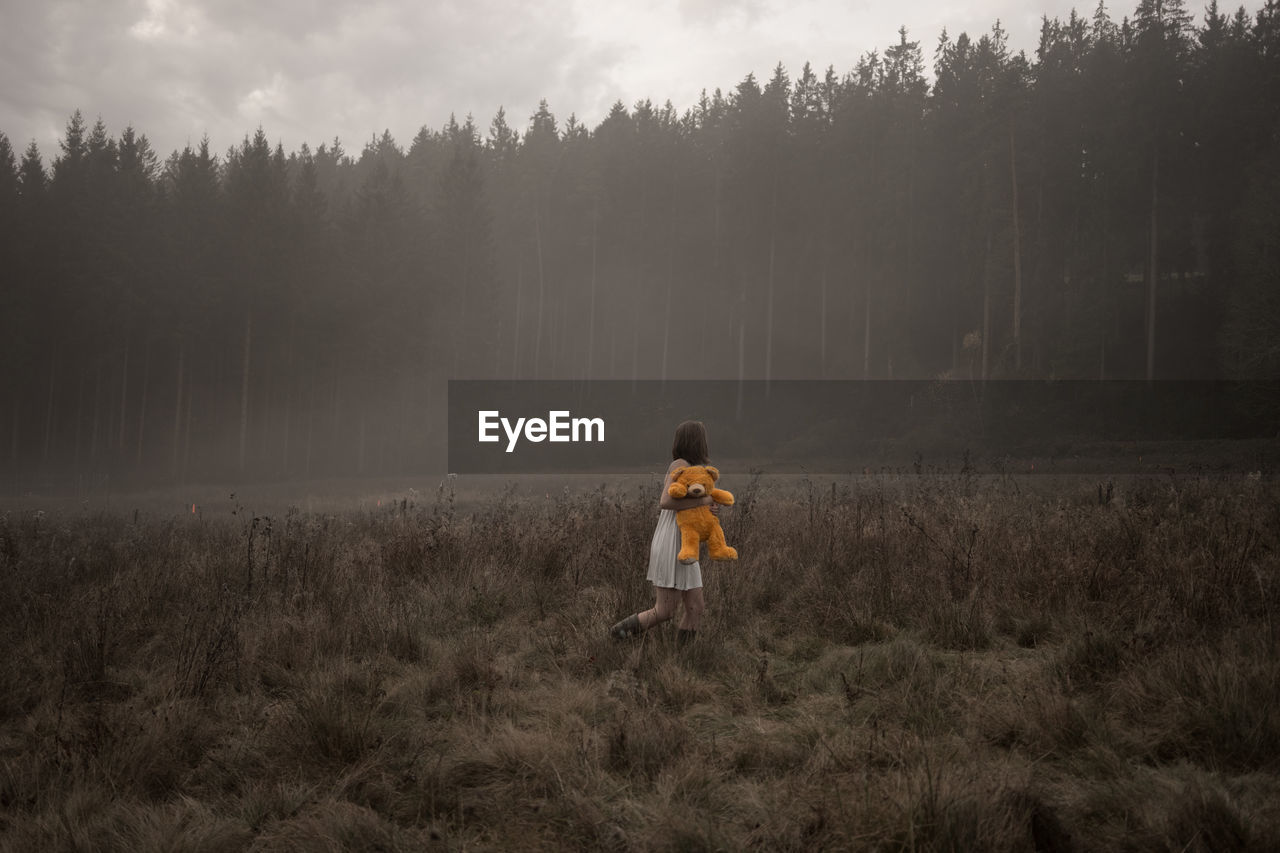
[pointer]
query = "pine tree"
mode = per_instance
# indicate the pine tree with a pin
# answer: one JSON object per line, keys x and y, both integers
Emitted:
{"x": 464, "y": 254}
{"x": 197, "y": 232}
{"x": 539, "y": 162}
{"x": 15, "y": 303}
{"x": 1250, "y": 336}
{"x": 1158, "y": 57}
{"x": 502, "y": 141}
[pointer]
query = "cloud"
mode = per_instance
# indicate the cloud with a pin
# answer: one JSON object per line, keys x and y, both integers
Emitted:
{"x": 307, "y": 70}
{"x": 712, "y": 12}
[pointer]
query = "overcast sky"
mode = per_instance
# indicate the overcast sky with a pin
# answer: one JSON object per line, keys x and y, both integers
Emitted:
{"x": 307, "y": 70}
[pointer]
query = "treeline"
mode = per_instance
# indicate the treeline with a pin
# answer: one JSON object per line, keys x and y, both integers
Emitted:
{"x": 1106, "y": 208}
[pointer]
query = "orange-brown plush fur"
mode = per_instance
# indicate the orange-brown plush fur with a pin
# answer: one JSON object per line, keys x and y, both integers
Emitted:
{"x": 698, "y": 525}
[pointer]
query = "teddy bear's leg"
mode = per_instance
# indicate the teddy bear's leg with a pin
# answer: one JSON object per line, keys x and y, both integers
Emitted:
{"x": 689, "y": 541}
{"x": 717, "y": 548}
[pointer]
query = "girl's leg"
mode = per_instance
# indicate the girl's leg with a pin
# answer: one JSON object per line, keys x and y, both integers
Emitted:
{"x": 663, "y": 608}
{"x": 693, "y": 607}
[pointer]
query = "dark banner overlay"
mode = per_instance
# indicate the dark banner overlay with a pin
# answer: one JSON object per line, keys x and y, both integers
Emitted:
{"x": 817, "y": 426}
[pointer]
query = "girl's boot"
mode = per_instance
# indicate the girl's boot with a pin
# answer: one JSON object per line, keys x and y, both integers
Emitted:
{"x": 628, "y": 627}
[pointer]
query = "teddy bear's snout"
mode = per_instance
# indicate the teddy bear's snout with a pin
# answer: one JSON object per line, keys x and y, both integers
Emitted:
{"x": 697, "y": 490}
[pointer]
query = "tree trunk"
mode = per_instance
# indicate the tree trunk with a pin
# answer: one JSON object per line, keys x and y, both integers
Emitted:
{"x": 79, "y": 417}
{"x": 244, "y": 386}
{"x": 336, "y": 418}
{"x": 177, "y": 411}
{"x": 635, "y": 353}
{"x": 537, "y": 335}
{"x": 124, "y": 395}
{"x": 406, "y": 411}
{"x": 773, "y": 245}
{"x": 559, "y": 322}
{"x": 186, "y": 434}
{"x": 1106, "y": 268}
{"x": 360, "y": 448}
{"x": 671, "y": 274}
{"x": 1017, "y": 254}
{"x": 265, "y": 420}
{"x": 431, "y": 413}
{"x": 666, "y": 331}
{"x": 217, "y": 412}
{"x": 716, "y": 231}
{"x": 866, "y": 334}
{"x": 499, "y": 336}
{"x": 48, "y": 415}
{"x": 97, "y": 405}
{"x": 311, "y": 402}
{"x": 1151, "y": 281}
{"x": 742, "y": 331}
{"x": 955, "y": 346}
{"x": 909, "y": 257}
{"x": 591, "y": 313}
{"x": 142, "y": 404}
{"x": 108, "y": 415}
{"x": 290, "y": 394}
{"x": 822, "y": 323}
{"x": 515, "y": 344}
{"x": 986, "y": 308}
{"x": 465, "y": 317}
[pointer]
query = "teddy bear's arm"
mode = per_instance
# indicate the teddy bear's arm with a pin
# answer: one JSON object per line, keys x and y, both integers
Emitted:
{"x": 671, "y": 502}
{"x": 720, "y": 496}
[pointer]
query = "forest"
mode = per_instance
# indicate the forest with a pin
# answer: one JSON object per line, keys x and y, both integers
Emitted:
{"x": 1105, "y": 207}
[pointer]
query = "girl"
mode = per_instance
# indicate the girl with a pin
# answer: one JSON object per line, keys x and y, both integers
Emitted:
{"x": 675, "y": 582}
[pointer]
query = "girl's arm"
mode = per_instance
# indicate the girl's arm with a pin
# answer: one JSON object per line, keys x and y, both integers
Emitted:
{"x": 668, "y": 502}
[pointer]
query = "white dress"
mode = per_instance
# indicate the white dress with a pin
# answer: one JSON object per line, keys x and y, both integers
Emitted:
{"x": 664, "y": 569}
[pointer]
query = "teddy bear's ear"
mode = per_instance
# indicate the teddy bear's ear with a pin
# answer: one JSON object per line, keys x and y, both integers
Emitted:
{"x": 714, "y": 472}
{"x": 675, "y": 475}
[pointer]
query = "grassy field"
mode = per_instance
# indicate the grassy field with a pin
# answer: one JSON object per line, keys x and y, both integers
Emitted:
{"x": 936, "y": 662}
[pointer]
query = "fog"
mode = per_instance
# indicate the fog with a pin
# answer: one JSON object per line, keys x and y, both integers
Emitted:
{"x": 1096, "y": 210}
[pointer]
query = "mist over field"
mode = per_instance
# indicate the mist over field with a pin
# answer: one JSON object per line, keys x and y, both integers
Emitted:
{"x": 1097, "y": 206}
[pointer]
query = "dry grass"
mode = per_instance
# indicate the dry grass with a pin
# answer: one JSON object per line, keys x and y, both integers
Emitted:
{"x": 941, "y": 662}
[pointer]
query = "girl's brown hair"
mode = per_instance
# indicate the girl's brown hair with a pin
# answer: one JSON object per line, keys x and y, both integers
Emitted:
{"x": 690, "y": 443}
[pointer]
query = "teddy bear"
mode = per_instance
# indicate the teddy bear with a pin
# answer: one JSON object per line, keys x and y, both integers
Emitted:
{"x": 698, "y": 525}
